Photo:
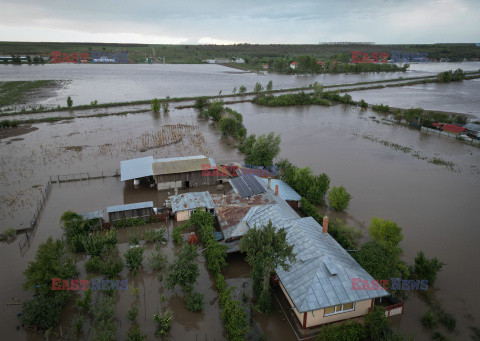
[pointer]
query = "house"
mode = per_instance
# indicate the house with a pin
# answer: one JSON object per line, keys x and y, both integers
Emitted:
{"x": 293, "y": 65}
{"x": 183, "y": 172}
{"x": 473, "y": 130}
{"x": 318, "y": 287}
{"x": 450, "y": 128}
{"x": 184, "y": 204}
{"x": 138, "y": 210}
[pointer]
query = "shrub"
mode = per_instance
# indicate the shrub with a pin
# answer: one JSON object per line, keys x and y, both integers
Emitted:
{"x": 94, "y": 264}
{"x": 184, "y": 269}
{"x": 135, "y": 334}
{"x": 133, "y": 258}
{"x": 427, "y": 268}
{"x": 194, "y": 301}
{"x": 158, "y": 261}
{"x": 376, "y": 323}
{"x": 429, "y": 320}
{"x": 155, "y": 104}
{"x": 439, "y": 336}
{"x": 347, "y": 236}
{"x": 341, "y": 332}
{"x": 78, "y": 323}
{"x": 8, "y": 234}
{"x": 43, "y": 311}
{"x": 164, "y": 322}
{"x": 177, "y": 233}
{"x": 201, "y": 103}
{"x": 132, "y": 313}
{"x": 157, "y": 235}
{"x": 363, "y": 104}
{"x": 258, "y": 88}
{"x": 242, "y": 90}
{"x": 381, "y": 108}
{"x": 447, "y": 320}
{"x": 86, "y": 302}
{"x": 214, "y": 111}
{"x": 338, "y": 198}
{"x": 69, "y": 102}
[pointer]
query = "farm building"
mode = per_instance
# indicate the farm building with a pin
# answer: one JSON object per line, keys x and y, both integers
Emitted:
{"x": 137, "y": 210}
{"x": 184, "y": 204}
{"x": 178, "y": 172}
{"x": 450, "y": 128}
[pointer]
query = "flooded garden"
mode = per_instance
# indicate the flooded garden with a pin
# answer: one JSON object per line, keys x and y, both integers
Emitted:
{"x": 389, "y": 169}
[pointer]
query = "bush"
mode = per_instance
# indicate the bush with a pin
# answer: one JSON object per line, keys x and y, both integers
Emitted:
{"x": 427, "y": 268}
{"x": 135, "y": 334}
{"x": 155, "y": 104}
{"x": 184, "y": 269}
{"x": 214, "y": 111}
{"x": 363, "y": 104}
{"x": 132, "y": 313}
{"x": 264, "y": 150}
{"x": 194, "y": 301}
{"x": 158, "y": 261}
{"x": 447, "y": 320}
{"x": 157, "y": 235}
{"x": 429, "y": 320}
{"x": 376, "y": 323}
{"x": 86, "y": 302}
{"x": 201, "y": 103}
{"x": 342, "y": 332}
{"x": 338, "y": 198}
{"x": 43, "y": 311}
{"x": 69, "y": 102}
{"x": 133, "y": 258}
{"x": 347, "y": 236}
{"x": 164, "y": 322}
{"x": 94, "y": 264}
{"x": 381, "y": 108}
{"x": 242, "y": 90}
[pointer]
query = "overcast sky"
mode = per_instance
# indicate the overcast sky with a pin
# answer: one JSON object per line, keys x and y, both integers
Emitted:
{"x": 225, "y": 21}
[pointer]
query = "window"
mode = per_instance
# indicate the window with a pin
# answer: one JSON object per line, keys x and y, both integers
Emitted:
{"x": 341, "y": 308}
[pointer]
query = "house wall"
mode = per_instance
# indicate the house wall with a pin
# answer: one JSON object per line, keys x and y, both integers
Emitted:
{"x": 182, "y": 215}
{"x": 317, "y": 318}
{"x": 195, "y": 179}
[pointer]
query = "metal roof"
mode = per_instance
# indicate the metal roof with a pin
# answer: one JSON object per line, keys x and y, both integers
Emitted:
{"x": 127, "y": 207}
{"x": 322, "y": 274}
{"x": 472, "y": 126}
{"x": 92, "y": 215}
{"x": 284, "y": 190}
{"x": 247, "y": 185}
{"x": 191, "y": 201}
{"x": 136, "y": 168}
{"x": 181, "y": 165}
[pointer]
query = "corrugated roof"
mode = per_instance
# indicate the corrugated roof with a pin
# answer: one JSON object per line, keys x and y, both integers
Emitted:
{"x": 191, "y": 201}
{"x": 452, "y": 128}
{"x": 127, "y": 207}
{"x": 472, "y": 126}
{"x": 180, "y": 165}
{"x": 284, "y": 190}
{"x": 92, "y": 215}
{"x": 136, "y": 168}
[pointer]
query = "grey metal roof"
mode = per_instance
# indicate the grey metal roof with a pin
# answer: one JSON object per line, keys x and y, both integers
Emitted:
{"x": 92, "y": 215}
{"x": 136, "y": 168}
{"x": 127, "y": 207}
{"x": 322, "y": 274}
{"x": 284, "y": 190}
{"x": 472, "y": 126}
{"x": 191, "y": 201}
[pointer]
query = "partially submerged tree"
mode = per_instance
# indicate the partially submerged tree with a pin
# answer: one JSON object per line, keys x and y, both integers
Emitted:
{"x": 266, "y": 249}
{"x": 263, "y": 150}
{"x": 338, "y": 198}
{"x": 184, "y": 269}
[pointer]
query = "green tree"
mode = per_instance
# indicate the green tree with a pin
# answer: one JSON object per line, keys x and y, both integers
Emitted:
{"x": 184, "y": 269}
{"x": 165, "y": 105}
{"x": 258, "y": 88}
{"x": 135, "y": 334}
{"x": 29, "y": 60}
{"x": 234, "y": 90}
{"x": 242, "y": 89}
{"x": 201, "y": 103}
{"x": 264, "y": 150}
{"x": 69, "y": 102}
{"x": 266, "y": 249}
{"x": 338, "y": 198}
{"x": 317, "y": 89}
{"x": 247, "y": 145}
{"x": 155, "y": 104}
{"x": 385, "y": 232}
{"x": 194, "y": 301}
{"x": 376, "y": 261}
{"x": 270, "y": 86}
{"x": 427, "y": 268}
{"x": 376, "y": 323}
{"x": 134, "y": 258}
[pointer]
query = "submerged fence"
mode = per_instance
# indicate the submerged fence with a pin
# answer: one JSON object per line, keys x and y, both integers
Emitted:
{"x": 81, "y": 177}
{"x": 451, "y": 136}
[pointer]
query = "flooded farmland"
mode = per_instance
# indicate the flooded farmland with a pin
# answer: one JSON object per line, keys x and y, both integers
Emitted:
{"x": 384, "y": 166}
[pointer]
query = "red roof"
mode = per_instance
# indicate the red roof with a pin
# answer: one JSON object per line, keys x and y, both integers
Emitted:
{"x": 453, "y": 128}
{"x": 438, "y": 125}
{"x": 294, "y": 63}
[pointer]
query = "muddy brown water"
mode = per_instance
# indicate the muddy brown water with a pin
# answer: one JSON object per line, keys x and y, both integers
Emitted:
{"x": 436, "y": 206}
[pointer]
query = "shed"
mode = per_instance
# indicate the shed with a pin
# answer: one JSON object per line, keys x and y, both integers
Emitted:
{"x": 137, "y": 210}
{"x": 473, "y": 129}
{"x": 184, "y": 204}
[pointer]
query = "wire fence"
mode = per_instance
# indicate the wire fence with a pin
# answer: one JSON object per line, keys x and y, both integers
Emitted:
{"x": 81, "y": 177}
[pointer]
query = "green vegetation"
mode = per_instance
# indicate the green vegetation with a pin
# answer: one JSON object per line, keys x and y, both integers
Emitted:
{"x": 165, "y": 105}
{"x": 8, "y": 235}
{"x": 17, "y": 91}
{"x": 347, "y": 236}
{"x": 184, "y": 269}
{"x": 194, "y": 301}
{"x": 363, "y": 104}
{"x": 155, "y": 105}
{"x": 290, "y": 100}
{"x": 429, "y": 320}
{"x": 269, "y": 86}
{"x": 335, "y": 96}
{"x": 132, "y": 313}
{"x": 258, "y": 88}
{"x": 134, "y": 258}
{"x": 426, "y": 268}
{"x": 157, "y": 235}
{"x": 338, "y": 198}
{"x": 342, "y": 332}
{"x": 69, "y": 102}
{"x": 451, "y": 76}
{"x": 9, "y": 123}
{"x": 105, "y": 327}
{"x": 381, "y": 108}
{"x": 242, "y": 90}
{"x": 262, "y": 150}
{"x": 135, "y": 334}
{"x": 158, "y": 261}
{"x": 164, "y": 322}
{"x": 51, "y": 261}
{"x": 266, "y": 249}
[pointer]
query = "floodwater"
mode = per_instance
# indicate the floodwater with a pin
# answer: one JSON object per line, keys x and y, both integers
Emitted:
{"x": 437, "y": 206}
{"x": 127, "y": 82}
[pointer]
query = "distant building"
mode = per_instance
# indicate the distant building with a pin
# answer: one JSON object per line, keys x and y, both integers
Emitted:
{"x": 239, "y": 60}
{"x": 450, "y": 128}
{"x": 473, "y": 130}
{"x": 293, "y": 65}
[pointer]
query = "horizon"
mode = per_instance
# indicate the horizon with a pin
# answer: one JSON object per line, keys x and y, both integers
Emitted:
{"x": 220, "y": 23}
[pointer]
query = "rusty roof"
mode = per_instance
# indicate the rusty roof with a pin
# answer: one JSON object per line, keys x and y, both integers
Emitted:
{"x": 236, "y": 199}
{"x": 181, "y": 165}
